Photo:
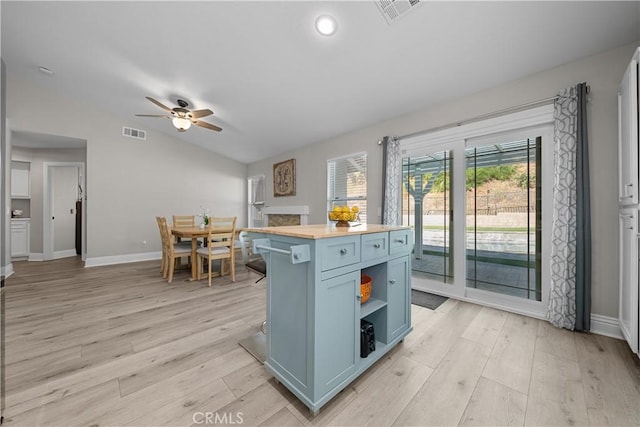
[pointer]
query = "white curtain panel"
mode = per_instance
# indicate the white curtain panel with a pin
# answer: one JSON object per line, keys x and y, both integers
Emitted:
{"x": 392, "y": 181}
{"x": 562, "y": 299}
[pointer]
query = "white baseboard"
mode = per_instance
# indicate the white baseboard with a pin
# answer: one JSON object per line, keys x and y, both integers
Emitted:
{"x": 6, "y": 270}
{"x": 121, "y": 259}
{"x": 64, "y": 254}
{"x": 34, "y": 256}
{"x": 605, "y": 325}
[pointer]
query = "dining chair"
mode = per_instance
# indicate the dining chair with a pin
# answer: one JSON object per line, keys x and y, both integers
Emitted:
{"x": 171, "y": 251}
{"x": 220, "y": 246}
{"x": 237, "y": 243}
{"x": 164, "y": 255}
{"x": 183, "y": 221}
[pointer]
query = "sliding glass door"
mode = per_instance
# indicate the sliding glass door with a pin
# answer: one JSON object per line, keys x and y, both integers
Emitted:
{"x": 479, "y": 208}
{"x": 504, "y": 218}
{"x": 427, "y": 208}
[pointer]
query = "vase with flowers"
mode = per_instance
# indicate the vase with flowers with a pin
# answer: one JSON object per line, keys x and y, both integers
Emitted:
{"x": 205, "y": 215}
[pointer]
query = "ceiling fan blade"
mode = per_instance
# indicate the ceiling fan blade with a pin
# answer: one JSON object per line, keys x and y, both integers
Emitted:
{"x": 159, "y": 104}
{"x": 207, "y": 125}
{"x": 196, "y": 114}
{"x": 153, "y": 115}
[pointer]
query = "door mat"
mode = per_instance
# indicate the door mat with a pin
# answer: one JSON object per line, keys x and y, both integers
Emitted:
{"x": 426, "y": 299}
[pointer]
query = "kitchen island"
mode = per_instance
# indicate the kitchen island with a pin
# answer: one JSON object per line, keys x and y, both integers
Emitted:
{"x": 314, "y": 309}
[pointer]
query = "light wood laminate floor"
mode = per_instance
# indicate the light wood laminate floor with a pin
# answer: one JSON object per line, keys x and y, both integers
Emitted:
{"x": 117, "y": 345}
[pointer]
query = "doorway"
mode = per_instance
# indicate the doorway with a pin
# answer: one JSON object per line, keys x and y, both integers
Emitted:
{"x": 63, "y": 210}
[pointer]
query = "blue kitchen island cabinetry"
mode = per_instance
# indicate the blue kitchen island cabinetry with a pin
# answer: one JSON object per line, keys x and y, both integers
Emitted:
{"x": 313, "y": 302}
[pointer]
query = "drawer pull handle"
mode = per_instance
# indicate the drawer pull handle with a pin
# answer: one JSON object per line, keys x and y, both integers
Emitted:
{"x": 392, "y": 281}
{"x": 343, "y": 251}
{"x": 401, "y": 241}
{"x": 359, "y": 297}
{"x": 377, "y": 245}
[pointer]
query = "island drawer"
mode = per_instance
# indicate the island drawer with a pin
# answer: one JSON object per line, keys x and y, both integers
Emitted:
{"x": 400, "y": 241}
{"x": 339, "y": 252}
{"x": 375, "y": 245}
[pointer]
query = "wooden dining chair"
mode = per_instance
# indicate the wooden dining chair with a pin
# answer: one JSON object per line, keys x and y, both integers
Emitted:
{"x": 220, "y": 246}
{"x": 227, "y": 222}
{"x": 183, "y": 221}
{"x": 171, "y": 251}
{"x": 164, "y": 255}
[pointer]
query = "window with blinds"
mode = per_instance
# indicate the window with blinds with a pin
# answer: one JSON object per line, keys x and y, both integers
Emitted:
{"x": 347, "y": 183}
{"x": 256, "y": 200}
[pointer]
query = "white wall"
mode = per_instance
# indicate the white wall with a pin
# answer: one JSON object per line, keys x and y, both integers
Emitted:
{"x": 602, "y": 72}
{"x": 129, "y": 182}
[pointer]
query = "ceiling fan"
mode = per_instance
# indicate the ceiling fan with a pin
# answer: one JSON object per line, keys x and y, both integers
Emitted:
{"x": 181, "y": 117}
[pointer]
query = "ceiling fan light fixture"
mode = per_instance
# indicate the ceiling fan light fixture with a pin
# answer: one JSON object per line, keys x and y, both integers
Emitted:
{"x": 181, "y": 123}
{"x": 181, "y": 117}
{"x": 326, "y": 25}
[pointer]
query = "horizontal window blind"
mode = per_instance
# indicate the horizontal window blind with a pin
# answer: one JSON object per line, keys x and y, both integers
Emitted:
{"x": 256, "y": 201}
{"x": 256, "y": 189}
{"x": 347, "y": 182}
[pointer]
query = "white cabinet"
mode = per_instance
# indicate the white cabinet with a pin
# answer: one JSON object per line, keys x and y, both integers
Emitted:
{"x": 628, "y": 311}
{"x": 20, "y": 180}
{"x": 628, "y": 144}
{"x": 20, "y": 231}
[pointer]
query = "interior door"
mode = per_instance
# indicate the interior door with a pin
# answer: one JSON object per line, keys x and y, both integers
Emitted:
{"x": 64, "y": 194}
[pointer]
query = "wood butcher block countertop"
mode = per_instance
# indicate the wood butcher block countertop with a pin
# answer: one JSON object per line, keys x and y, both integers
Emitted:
{"x": 322, "y": 231}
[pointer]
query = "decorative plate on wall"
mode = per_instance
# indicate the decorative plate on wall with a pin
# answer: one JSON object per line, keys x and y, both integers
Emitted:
{"x": 284, "y": 178}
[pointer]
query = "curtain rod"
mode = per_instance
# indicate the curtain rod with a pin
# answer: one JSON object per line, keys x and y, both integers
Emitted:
{"x": 480, "y": 117}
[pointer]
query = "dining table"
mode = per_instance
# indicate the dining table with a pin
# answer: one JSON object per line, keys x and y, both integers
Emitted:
{"x": 195, "y": 233}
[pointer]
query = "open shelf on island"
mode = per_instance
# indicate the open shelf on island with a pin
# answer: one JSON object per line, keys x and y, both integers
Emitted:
{"x": 370, "y": 306}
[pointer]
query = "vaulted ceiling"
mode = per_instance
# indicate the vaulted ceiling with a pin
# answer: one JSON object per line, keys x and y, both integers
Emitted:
{"x": 273, "y": 82}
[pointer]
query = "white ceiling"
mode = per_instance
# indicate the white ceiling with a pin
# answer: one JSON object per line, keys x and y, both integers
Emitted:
{"x": 40, "y": 140}
{"x": 272, "y": 81}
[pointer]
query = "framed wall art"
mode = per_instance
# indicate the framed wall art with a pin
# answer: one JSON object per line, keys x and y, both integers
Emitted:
{"x": 284, "y": 178}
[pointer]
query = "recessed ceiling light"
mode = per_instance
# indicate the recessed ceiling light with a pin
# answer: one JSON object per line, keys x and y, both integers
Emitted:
{"x": 326, "y": 25}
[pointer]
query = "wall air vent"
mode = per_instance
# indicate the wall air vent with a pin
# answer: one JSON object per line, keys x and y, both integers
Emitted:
{"x": 134, "y": 133}
{"x": 392, "y": 10}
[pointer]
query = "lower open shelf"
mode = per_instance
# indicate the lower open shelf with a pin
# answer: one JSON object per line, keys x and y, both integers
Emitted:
{"x": 374, "y": 355}
{"x": 370, "y": 306}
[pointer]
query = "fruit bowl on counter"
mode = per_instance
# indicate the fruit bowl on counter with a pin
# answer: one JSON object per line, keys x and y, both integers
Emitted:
{"x": 342, "y": 215}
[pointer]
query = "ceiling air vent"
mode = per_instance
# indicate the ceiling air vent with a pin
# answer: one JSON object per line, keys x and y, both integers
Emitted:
{"x": 394, "y": 9}
{"x": 134, "y": 133}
